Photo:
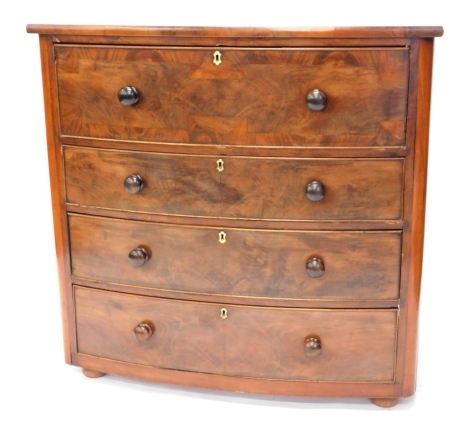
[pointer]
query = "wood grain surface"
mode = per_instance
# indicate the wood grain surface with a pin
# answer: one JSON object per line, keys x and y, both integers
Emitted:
{"x": 358, "y": 345}
{"x": 247, "y": 32}
{"x": 414, "y": 235}
{"x": 262, "y": 263}
{"x": 57, "y": 185}
{"x": 239, "y": 384}
{"x": 256, "y": 96}
{"x": 253, "y": 188}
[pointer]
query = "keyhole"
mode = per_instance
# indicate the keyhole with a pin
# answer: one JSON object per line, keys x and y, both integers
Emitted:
{"x": 220, "y": 165}
{"x": 223, "y": 313}
{"x": 222, "y": 237}
{"x": 217, "y": 58}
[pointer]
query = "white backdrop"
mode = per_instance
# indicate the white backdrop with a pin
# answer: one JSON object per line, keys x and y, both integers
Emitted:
{"x": 39, "y": 390}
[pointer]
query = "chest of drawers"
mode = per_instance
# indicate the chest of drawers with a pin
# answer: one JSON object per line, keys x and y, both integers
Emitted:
{"x": 241, "y": 209}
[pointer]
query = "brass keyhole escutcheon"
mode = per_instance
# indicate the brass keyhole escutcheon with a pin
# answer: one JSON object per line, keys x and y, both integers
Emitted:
{"x": 222, "y": 237}
{"x": 223, "y": 313}
{"x": 217, "y": 58}
{"x": 220, "y": 165}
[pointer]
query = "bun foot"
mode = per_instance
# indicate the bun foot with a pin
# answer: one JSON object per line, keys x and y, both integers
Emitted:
{"x": 92, "y": 374}
{"x": 385, "y": 402}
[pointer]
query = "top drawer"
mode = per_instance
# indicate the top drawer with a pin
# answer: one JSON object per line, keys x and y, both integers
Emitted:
{"x": 255, "y": 97}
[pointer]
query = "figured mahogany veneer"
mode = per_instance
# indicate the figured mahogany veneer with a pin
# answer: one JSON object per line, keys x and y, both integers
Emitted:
{"x": 355, "y": 189}
{"x": 253, "y": 97}
{"x": 258, "y": 263}
{"x": 357, "y": 345}
{"x": 241, "y": 209}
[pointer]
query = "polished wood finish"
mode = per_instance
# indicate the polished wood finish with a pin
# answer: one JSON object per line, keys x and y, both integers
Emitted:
{"x": 92, "y": 374}
{"x": 248, "y": 32}
{"x": 57, "y": 182}
{"x": 385, "y": 402}
{"x": 253, "y": 97}
{"x": 323, "y": 303}
{"x": 415, "y": 231}
{"x": 315, "y": 267}
{"x": 315, "y": 191}
{"x": 312, "y": 347}
{"x": 356, "y": 189}
{"x": 360, "y": 265}
{"x": 316, "y": 100}
{"x": 248, "y": 150}
{"x": 237, "y": 384}
{"x": 327, "y": 225}
{"x": 144, "y": 331}
{"x": 358, "y": 345}
{"x": 230, "y": 41}
{"x": 138, "y": 256}
{"x": 128, "y": 95}
{"x": 134, "y": 183}
{"x": 273, "y": 248}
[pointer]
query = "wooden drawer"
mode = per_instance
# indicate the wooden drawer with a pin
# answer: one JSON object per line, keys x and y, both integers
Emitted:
{"x": 241, "y": 187}
{"x": 255, "y": 97}
{"x": 250, "y": 263}
{"x": 356, "y": 345}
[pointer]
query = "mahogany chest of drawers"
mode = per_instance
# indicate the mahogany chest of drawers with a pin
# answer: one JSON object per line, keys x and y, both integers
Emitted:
{"x": 241, "y": 209}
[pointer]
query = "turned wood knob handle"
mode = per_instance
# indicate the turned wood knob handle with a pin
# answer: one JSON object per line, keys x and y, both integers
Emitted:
{"x": 128, "y": 95}
{"x": 143, "y": 332}
{"x": 315, "y": 267}
{"x": 138, "y": 256}
{"x": 312, "y": 347}
{"x": 316, "y": 100}
{"x": 315, "y": 191}
{"x": 134, "y": 183}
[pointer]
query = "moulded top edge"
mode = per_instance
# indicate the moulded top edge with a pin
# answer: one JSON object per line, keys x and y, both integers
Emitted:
{"x": 239, "y": 32}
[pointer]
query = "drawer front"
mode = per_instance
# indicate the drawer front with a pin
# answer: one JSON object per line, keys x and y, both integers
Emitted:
{"x": 355, "y": 345}
{"x": 254, "y": 97}
{"x": 236, "y": 187}
{"x": 248, "y": 263}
